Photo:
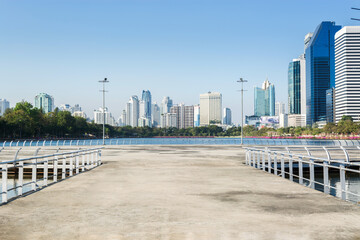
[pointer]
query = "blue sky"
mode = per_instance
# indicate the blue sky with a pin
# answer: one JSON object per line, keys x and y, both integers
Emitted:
{"x": 173, "y": 48}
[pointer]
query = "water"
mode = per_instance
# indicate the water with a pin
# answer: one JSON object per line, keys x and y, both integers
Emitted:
{"x": 182, "y": 141}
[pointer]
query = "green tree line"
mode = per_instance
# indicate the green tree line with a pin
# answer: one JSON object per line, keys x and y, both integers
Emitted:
{"x": 25, "y": 121}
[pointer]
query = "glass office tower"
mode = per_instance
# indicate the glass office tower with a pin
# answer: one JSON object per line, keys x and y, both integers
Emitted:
{"x": 294, "y": 85}
{"x": 264, "y": 100}
{"x": 320, "y": 70}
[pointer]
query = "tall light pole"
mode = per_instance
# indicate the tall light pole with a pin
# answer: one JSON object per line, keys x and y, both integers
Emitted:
{"x": 103, "y": 108}
{"x": 241, "y": 80}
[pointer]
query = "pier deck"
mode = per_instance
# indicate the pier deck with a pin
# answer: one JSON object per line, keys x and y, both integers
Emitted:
{"x": 178, "y": 193}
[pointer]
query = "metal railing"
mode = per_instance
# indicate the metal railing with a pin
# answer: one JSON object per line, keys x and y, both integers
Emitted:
{"x": 178, "y": 141}
{"x": 300, "y": 164}
{"x": 43, "y": 170}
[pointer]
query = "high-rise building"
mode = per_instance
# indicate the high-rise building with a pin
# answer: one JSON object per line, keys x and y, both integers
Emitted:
{"x": 155, "y": 115}
{"x": 76, "y": 108}
{"x": 347, "y": 73}
{"x": 264, "y": 99}
{"x": 320, "y": 70}
{"x": 294, "y": 87}
{"x": 45, "y": 102}
{"x": 122, "y": 119}
{"x": 279, "y": 108}
{"x": 184, "y": 115}
{"x": 99, "y": 117}
{"x": 146, "y": 99}
{"x": 132, "y": 111}
{"x": 168, "y": 120}
{"x": 197, "y": 115}
{"x": 210, "y": 108}
{"x": 227, "y": 116}
{"x": 3, "y": 106}
{"x": 166, "y": 104}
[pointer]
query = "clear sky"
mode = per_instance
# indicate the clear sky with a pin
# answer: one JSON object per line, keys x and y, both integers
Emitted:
{"x": 173, "y": 48}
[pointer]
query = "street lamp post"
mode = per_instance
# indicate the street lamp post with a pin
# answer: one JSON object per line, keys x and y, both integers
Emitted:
{"x": 103, "y": 108}
{"x": 241, "y": 80}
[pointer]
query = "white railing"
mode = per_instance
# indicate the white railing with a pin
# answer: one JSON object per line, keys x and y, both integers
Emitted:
{"x": 67, "y": 163}
{"x": 179, "y": 141}
{"x": 289, "y": 163}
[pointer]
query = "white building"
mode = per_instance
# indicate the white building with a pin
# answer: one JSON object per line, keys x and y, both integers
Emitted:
{"x": 347, "y": 73}
{"x": 168, "y": 120}
{"x": 45, "y": 102}
{"x": 226, "y": 116}
{"x": 283, "y": 120}
{"x": 279, "y": 108}
{"x": 296, "y": 120}
{"x": 3, "y": 106}
{"x": 184, "y": 115}
{"x": 99, "y": 117}
{"x": 210, "y": 108}
{"x": 303, "y": 86}
{"x": 132, "y": 111}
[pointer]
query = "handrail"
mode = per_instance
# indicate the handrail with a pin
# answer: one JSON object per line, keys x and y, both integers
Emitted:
{"x": 70, "y": 165}
{"x": 308, "y": 161}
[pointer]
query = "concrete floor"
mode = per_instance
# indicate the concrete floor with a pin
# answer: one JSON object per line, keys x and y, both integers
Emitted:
{"x": 178, "y": 193}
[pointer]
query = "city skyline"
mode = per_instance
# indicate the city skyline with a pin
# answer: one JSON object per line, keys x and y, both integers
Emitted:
{"x": 64, "y": 51}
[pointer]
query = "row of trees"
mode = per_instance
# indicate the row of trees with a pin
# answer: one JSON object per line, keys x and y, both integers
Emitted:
{"x": 25, "y": 121}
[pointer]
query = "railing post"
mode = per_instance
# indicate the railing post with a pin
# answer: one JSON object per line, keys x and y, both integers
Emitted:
{"x": 282, "y": 166}
{"x": 63, "y": 173}
{"x": 326, "y": 172}
{"x": 21, "y": 177}
{"x": 71, "y": 165}
{"x": 33, "y": 174}
{"x": 312, "y": 174}
{"x": 88, "y": 155}
{"x": 301, "y": 178}
{"x": 258, "y": 160}
{"x": 269, "y": 161}
{"x": 97, "y": 158}
{"x": 55, "y": 168}
{"x": 99, "y": 162}
{"x": 4, "y": 170}
{"x": 342, "y": 181}
{"x": 263, "y": 159}
{"x": 246, "y": 156}
{"x": 46, "y": 165}
{"x": 83, "y": 162}
{"x": 77, "y": 163}
{"x": 275, "y": 164}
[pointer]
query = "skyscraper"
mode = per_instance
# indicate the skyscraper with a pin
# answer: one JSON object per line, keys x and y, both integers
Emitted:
{"x": 166, "y": 104}
{"x": 210, "y": 108}
{"x": 347, "y": 73}
{"x": 320, "y": 70}
{"x": 45, "y": 102}
{"x": 184, "y": 115}
{"x": 227, "y": 116}
{"x": 3, "y": 106}
{"x": 264, "y": 99}
{"x": 279, "y": 108}
{"x": 294, "y": 87}
{"x": 146, "y": 99}
{"x": 155, "y": 115}
{"x": 132, "y": 111}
